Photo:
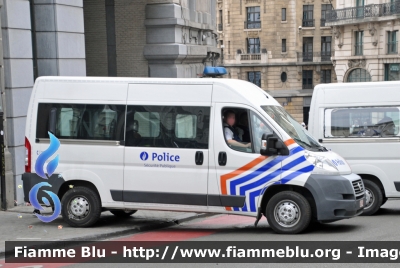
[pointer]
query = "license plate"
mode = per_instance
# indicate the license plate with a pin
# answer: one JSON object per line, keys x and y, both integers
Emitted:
{"x": 361, "y": 203}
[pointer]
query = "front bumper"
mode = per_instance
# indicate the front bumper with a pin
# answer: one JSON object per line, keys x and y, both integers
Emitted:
{"x": 335, "y": 197}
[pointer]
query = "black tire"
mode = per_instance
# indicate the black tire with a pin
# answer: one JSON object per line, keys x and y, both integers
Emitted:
{"x": 376, "y": 197}
{"x": 122, "y": 213}
{"x": 384, "y": 201}
{"x": 81, "y": 200}
{"x": 288, "y": 200}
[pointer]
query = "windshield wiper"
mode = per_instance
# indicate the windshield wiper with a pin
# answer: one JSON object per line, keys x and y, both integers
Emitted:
{"x": 302, "y": 142}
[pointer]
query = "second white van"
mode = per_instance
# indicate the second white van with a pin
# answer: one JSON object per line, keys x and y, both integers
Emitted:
{"x": 360, "y": 121}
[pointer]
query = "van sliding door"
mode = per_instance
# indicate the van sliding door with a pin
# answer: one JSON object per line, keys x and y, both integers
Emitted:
{"x": 167, "y": 145}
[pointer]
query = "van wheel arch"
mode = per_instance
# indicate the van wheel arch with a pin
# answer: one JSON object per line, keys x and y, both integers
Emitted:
{"x": 376, "y": 180}
{"x": 65, "y": 187}
{"x": 274, "y": 189}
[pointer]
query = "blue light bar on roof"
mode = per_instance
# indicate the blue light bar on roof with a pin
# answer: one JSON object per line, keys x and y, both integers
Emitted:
{"x": 214, "y": 71}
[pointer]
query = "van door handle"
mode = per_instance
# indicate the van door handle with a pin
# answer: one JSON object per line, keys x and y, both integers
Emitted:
{"x": 222, "y": 158}
{"x": 199, "y": 158}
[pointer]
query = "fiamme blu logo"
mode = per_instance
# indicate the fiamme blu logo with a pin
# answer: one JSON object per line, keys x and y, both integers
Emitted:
{"x": 51, "y": 167}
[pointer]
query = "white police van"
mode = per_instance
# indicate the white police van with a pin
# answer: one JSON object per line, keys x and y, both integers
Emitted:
{"x": 158, "y": 144}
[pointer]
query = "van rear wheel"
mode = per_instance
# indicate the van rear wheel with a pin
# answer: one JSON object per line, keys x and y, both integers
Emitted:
{"x": 288, "y": 212}
{"x": 373, "y": 196}
{"x": 122, "y": 213}
{"x": 81, "y": 207}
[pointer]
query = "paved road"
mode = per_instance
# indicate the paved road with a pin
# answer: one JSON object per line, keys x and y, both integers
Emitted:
{"x": 382, "y": 227}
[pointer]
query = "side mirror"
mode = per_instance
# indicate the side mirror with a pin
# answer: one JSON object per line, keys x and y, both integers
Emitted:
{"x": 52, "y": 120}
{"x": 271, "y": 145}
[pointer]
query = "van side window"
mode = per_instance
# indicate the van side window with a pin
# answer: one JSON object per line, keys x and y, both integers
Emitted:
{"x": 243, "y": 129}
{"x": 362, "y": 122}
{"x": 82, "y": 121}
{"x": 168, "y": 127}
{"x": 259, "y": 128}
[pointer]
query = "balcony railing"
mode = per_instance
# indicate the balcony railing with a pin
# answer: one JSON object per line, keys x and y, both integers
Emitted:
{"x": 250, "y": 57}
{"x": 308, "y": 86}
{"x": 314, "y": 56}
{"x": 326, "y": 55}
{"x": 369, "y": 11}
{"x": 220, "y": 27}
{"x": 308, "y": 23}
{"x": 323, "y": 21}
{"x": 252, "y": 24}
{"x": 358, "y": 49}
{"x": 392, "y": 48}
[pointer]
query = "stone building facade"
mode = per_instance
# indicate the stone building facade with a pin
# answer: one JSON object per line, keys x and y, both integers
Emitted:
{"x": 366, "y": 34}
{"x": 283, "y": 46}
{"x": 156, "y": 38}
{"x": 140, "y": 38}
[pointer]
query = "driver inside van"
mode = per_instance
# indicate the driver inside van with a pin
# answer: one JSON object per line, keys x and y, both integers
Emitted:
{"x": 231, "y": 134}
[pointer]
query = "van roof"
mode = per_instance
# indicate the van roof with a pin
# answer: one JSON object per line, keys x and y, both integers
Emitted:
{"x": 242, "y": 90}
{"x": 361, "y": 93}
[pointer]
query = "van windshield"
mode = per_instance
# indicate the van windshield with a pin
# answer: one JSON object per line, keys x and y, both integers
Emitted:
{"x": 293, "y": 128}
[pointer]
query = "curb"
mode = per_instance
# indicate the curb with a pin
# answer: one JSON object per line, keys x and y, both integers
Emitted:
{"x": 108, "y": 235}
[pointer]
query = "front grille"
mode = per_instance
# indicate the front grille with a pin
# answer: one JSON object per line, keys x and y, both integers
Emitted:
{"x": 358, "y": 187}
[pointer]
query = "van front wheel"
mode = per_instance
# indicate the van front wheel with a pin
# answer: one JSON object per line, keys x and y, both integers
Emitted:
{"x": 81, "y": 207}
{"x": 288, "y": 212}
{"x": 373, "y": 196}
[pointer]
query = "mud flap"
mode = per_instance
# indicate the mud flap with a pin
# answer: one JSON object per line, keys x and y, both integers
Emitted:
{"x": 259, "y": 215}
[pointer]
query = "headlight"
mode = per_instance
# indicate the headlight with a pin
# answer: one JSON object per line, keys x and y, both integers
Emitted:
{"x": 322, "y": 164}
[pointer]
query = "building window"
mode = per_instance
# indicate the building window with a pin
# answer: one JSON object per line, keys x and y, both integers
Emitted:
{"x": 358, "y": 50}
{"x": 326, "y": 48}
{"x": 359, "y": 75}
{"x": 392, "y": 72}
{"x": 254, "y": 77}
{"x": 360, "y": 5}
{"x": 283, "y": 45}
{"x": 325, "y": 8}
{"x": 307, "y": 49}
{"x": 392, "y": 43}
{"x": 283, "y": 77}
{"x": 308, "y": 79}
{"x": 283, "y": 14}
{"x": 253, "y": 45}
{"x": 326, "y": 76}
{"x": 253, "y": 18}
{"x": 220, "y": 24}
{"x": 308, "y": 16}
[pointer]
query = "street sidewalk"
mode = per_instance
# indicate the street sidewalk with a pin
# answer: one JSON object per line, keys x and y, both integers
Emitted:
{"x": 19, "y": 224}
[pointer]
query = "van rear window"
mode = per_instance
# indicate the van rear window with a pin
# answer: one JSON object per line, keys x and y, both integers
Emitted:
{"x": 362, "y": 122}
{"x": 81, "y": 121}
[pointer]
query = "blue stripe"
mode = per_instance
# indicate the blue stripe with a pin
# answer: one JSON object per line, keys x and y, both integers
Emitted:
{"x": 265, "y": 179}
{"x": 284, "y": 180}
{"x": 297, "y": 173}
{"x": 255, "y": 194}
{"x": 262, "y": 169}
{"x": 252, "y": 199}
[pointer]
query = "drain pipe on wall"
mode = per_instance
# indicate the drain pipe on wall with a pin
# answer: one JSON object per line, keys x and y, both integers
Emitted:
{"x": 7, "y": 185}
